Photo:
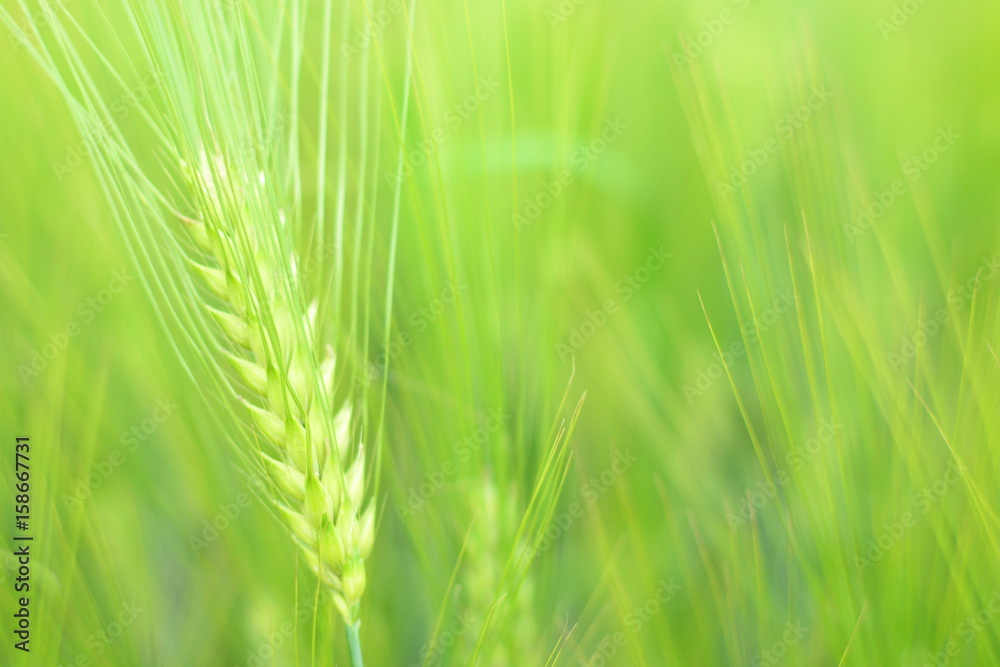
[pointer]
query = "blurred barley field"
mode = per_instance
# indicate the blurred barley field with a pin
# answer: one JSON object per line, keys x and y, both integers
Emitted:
{"x": 675, "y": 329}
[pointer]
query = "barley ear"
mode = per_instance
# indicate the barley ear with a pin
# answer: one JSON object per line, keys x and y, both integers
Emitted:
{"x": 314, "y": 464}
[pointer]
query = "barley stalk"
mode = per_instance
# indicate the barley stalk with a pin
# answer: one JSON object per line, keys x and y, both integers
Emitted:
{"x": 316, "y": 472}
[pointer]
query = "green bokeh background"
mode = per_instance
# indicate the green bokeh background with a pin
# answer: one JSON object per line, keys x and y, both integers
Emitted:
{"x": 130, "y": 540}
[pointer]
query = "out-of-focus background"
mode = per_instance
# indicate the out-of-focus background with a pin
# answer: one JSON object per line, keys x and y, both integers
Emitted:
{"x": 760, "y": 235}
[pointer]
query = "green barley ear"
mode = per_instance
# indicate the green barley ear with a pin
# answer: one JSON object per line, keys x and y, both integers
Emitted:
{"x": 312, "y": 460}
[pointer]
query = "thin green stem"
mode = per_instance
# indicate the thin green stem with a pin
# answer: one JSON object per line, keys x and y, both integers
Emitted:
{"x": 354, "y": 644}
